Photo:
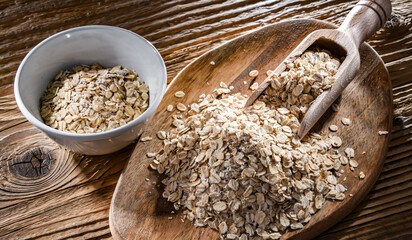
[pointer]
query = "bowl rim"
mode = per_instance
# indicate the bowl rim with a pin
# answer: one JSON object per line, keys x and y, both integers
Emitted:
{"x": 87, "y": 136}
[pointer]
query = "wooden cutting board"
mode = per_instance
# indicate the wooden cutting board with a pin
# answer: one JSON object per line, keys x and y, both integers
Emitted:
{"x": 138, "y": 211}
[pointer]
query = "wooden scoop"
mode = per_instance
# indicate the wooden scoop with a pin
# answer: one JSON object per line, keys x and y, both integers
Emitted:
{"x": 363, "y": 20}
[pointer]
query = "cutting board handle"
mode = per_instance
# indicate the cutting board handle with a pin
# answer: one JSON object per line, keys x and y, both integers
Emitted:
{"x": 367, "y": 17}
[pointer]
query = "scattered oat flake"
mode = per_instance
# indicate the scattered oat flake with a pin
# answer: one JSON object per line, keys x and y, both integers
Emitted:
{"x": 336, "y": 141}
{"x": 333, "y": 128}
{"x": 145, "y": 139}
{"x": 253, "y": 73}
{"x": 222, "y": 85}
{"x": 345, "y": 121}
{"x": 150, "y": 154}
{"x": 340, "y": 196}
{"x": 161, "y": 135}
{"x": 245, "y": 82}
{"x": 170, "y": 108}
{"x": 353, "y": 163}
{"x": 361, "y": 175}
{"x": 170, "y": 218}
{"x": 181, "y": 107}
{"x": 179, "y": 94}
{"x": 350, "y": 153}
{"x": 254, "y": 86}
{"x": 153, "y": 166}
{"x": 383, "y": 133}
{"x": 212, "y": 63}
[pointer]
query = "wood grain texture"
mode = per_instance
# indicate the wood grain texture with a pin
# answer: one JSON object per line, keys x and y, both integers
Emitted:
{"x": 75, "y": 202}
{"x": 138, "y": 209}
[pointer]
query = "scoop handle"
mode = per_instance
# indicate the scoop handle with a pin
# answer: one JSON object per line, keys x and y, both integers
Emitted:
{"x": 367, "y": 17}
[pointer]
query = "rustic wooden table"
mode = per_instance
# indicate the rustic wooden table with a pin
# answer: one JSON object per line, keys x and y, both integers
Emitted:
{"x": 49, "y": 193}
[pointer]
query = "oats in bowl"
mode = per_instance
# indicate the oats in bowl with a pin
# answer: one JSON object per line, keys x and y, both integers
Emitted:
{"x": 109, "y": 46}
{"x": 91, "y": 99}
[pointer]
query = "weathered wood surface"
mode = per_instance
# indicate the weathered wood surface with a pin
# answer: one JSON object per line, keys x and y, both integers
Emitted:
{"x": 67, "y": 196}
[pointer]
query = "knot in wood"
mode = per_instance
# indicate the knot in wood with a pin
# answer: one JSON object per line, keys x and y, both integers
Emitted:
{"x": 34, "y": 163}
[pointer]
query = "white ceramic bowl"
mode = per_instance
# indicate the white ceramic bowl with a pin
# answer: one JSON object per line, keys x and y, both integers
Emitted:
{"x": 106, "y": 45}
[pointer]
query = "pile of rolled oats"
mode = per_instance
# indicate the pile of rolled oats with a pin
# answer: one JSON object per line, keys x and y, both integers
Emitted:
{"x": 245, "y": 172}
{"x": 90, "y": 99}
